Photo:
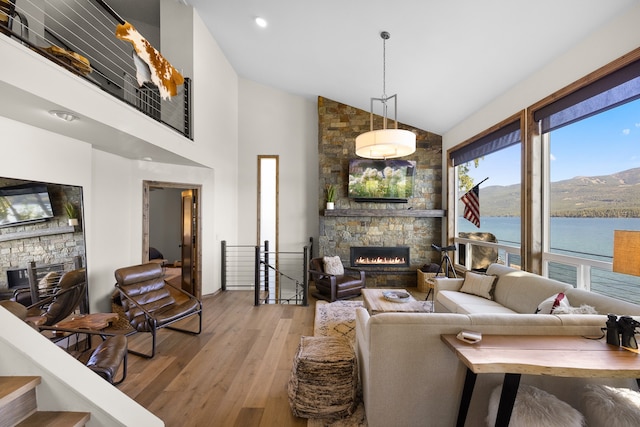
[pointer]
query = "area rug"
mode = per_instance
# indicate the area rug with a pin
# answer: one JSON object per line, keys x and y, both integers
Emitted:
{"x": 338, "y": 319}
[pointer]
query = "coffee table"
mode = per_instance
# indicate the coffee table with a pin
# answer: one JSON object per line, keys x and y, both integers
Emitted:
{"x": 376, "y": 303}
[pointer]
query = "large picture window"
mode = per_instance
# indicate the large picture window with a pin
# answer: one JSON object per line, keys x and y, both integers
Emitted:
{"x": 488, "y": 171}
{"x": 591, "y": 189}
{"x": 556, "y": 192}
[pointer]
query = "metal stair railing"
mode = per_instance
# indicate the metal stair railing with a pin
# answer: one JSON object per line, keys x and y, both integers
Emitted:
{"x": 274, "y": 277}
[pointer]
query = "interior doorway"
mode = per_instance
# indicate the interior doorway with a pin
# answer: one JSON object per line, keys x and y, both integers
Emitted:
{"x": 171, "y": 229}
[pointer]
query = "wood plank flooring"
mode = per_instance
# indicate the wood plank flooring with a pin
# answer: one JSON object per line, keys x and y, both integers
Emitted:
{"x": 234, "y": 373}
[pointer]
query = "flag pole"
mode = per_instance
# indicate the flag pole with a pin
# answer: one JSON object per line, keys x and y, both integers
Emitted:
{"x": 481, "y": 182}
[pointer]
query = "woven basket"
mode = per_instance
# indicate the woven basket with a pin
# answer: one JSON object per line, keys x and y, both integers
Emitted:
{"x": 425, "y": 281}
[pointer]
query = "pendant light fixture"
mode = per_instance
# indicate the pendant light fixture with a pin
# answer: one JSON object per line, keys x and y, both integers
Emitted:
{"x": 385, "y": 143}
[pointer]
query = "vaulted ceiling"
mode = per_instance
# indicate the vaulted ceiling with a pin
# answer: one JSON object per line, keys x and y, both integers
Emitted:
{"x": 445, "y": 59}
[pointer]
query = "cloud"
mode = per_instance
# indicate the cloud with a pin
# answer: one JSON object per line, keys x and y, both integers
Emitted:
{"x": 552, "y": 157}
{"x": 638, "y": 125}
{"x": 626, "y": 131}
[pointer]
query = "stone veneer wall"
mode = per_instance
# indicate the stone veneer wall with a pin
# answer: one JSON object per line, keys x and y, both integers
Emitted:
{"x": 339, "y": 125}
{"x": 49, "y": 242}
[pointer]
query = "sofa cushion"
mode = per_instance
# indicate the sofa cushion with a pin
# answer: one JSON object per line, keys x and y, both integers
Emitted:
{"x": 478, "y": 284}
{"x": 550, "y": 304}
{"x": 459, "y": 302}
{"x": 333, "y": 265}
{"x": 522, "y": 291}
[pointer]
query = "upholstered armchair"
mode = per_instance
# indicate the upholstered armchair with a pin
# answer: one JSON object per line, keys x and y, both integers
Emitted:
{"x": 150, "y": 303}
{"x": 335, "y": 282}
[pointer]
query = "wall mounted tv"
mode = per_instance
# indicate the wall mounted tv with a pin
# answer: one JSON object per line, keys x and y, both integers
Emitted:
{"x": 24, "y": 203}
{"x": 381, "y": 180}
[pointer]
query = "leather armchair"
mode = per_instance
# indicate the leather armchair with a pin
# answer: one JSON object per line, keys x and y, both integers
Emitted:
{"x": 333, "y": 287}
{"x": 70, "y": 293}
{"x": 150, "y": 303}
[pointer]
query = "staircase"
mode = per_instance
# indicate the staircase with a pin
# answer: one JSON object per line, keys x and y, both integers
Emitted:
{"x": 18, "y": 406}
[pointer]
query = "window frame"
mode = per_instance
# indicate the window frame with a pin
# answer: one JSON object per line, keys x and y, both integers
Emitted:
{"x": 534, "y": 168}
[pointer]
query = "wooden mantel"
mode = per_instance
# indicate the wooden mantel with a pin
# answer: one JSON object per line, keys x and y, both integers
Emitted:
{"x": 412, "y": 213}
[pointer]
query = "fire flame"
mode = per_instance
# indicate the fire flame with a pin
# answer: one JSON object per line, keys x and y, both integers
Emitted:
{"x": 380, "y": 260}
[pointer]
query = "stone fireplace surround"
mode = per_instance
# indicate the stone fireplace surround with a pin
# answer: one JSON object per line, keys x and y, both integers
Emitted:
{"x": 415, "y": 224}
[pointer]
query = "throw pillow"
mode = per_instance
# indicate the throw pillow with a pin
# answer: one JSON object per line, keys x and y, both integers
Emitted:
{"x": 478, "y": 284}
{"x": 333, "y": 265}
{"x": 550, "y": 304}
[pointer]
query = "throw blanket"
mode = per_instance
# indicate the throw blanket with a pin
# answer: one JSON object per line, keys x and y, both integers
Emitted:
{"x": 150, "y": 64}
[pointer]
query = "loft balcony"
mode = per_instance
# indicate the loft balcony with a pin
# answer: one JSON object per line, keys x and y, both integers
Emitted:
{"x": 64, "y": 55}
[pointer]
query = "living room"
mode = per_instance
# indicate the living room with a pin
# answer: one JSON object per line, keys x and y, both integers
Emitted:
{"x": 227, "y": 112}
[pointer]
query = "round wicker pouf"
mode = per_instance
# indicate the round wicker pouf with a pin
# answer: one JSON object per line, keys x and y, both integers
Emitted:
{"x": 323, "y": 382}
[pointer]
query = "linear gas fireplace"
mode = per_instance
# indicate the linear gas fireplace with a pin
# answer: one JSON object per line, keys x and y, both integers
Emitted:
{"x": 373, "y": 256}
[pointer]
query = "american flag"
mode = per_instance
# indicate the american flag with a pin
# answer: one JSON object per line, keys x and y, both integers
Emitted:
{"x": 471, "y": 202}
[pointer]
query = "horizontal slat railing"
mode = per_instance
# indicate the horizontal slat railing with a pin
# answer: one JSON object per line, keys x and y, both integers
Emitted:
{"x": 79, "y": 35}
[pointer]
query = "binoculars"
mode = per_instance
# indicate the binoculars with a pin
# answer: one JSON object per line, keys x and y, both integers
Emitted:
{"x": 621, "y": 331}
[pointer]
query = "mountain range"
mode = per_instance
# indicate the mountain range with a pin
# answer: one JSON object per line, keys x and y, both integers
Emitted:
{"x": 607, "y": 196}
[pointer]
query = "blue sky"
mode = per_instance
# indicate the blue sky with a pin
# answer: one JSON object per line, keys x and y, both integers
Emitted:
{"x": 606, "y": 143}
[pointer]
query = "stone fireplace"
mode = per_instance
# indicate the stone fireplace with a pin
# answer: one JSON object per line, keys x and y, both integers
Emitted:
{"x": 413, "y": 225}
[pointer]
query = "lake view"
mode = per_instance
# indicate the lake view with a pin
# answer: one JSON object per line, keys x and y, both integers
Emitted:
{"x": 581, "y": 237}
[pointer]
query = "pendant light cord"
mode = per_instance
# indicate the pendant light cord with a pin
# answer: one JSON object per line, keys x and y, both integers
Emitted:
{"x": 384, "y": 66}
{"x": 385, "y": 35}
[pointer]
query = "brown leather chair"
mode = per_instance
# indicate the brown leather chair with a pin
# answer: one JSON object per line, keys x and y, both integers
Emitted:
{"x": 149, "y": 303}
{"x": 331, "y": 287}
{"x": 51, "y": 310}
{"x": 105, "y": 360}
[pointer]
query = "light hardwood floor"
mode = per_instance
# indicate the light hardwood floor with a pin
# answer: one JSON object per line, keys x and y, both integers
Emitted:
{"x": 234, "y": 373}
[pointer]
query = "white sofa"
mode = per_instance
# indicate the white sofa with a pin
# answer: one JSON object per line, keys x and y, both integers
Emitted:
{"x": 520, "y": 292}
{"x": 410, "y": 378}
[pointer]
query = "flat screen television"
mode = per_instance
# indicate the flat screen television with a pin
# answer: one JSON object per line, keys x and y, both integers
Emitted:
{"x": 24, "y": 203}
{"x": 381, "y": 180}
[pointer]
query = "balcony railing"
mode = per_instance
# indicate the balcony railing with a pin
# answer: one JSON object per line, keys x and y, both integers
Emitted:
{"x": 80, "y": 36}
{"x": 582, "y": 273}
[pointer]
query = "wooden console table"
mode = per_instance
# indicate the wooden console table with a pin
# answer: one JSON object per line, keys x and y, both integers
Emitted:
{"x": 562, "y": 356}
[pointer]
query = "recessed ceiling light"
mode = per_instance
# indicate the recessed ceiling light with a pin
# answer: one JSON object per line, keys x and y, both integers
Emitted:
{"x": 64, "y": 115}
{"x": 261, "y": 22}
{"x": 147, "y": 159}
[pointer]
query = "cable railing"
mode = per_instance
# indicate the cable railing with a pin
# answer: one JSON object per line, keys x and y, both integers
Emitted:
{"x": 80, "y": 35}
{"x": 594, "y": 275}
{"x": 274, "y": 277}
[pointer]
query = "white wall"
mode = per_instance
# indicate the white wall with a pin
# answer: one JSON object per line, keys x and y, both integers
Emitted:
{"x": 273, "y": 122}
